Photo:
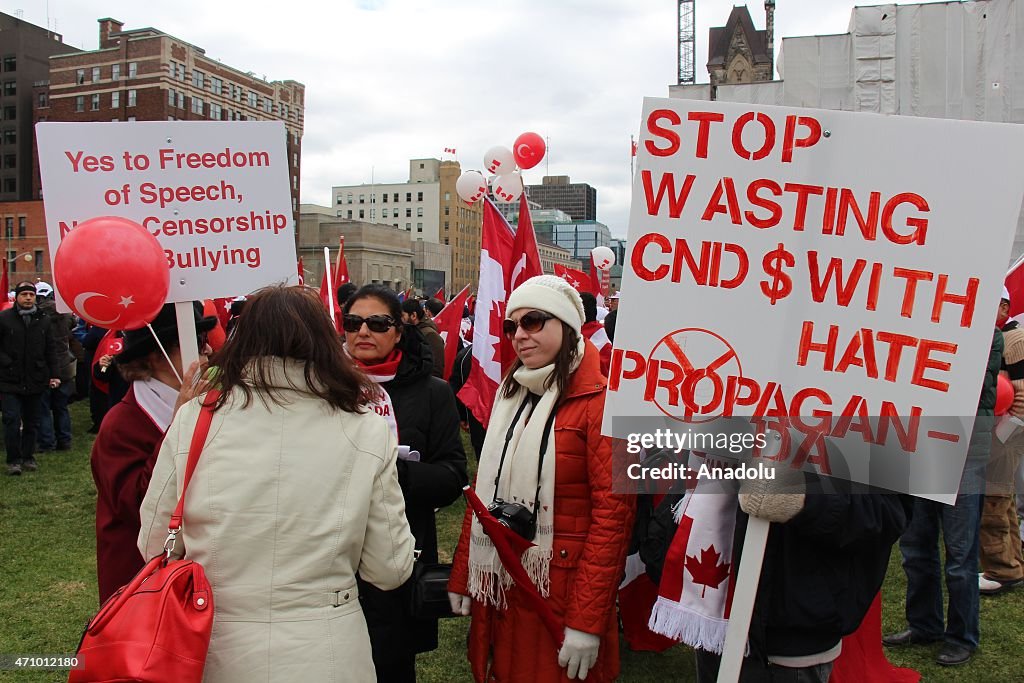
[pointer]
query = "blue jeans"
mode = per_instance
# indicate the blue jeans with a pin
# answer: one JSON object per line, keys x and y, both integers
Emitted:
{"x": 19, "y": 409}
{"x": 959, "y": 524}
{"x": 54, "y": 412}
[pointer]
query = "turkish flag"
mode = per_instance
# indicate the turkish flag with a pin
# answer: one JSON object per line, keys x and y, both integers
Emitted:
{"x": 439, "y": 295}
{"x": 110, "y": 345}
{"x": 341, "y": 270}
{"x": 579, "y": 280}
{"x": 1014, "y": 283}
{"x": 492, "y": 353}
{"x": 449, "y": 324}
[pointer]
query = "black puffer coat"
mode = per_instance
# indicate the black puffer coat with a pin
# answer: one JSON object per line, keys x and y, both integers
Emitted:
{"x": 428, "y": 422}
{"x": 28, "y": 353}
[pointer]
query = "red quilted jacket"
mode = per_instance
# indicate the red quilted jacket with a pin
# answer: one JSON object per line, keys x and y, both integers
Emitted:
{"x": 592, "y": 531}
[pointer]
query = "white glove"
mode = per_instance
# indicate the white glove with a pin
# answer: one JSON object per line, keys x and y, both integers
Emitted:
{"x": 578, "y": 653}
{"x": 460, "y": 604}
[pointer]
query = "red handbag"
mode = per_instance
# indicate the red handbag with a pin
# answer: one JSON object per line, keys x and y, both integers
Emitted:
{"x": 157, "y": 628}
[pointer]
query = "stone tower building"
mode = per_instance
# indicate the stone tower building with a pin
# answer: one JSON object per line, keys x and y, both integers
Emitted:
{"x": 739, "y": 53}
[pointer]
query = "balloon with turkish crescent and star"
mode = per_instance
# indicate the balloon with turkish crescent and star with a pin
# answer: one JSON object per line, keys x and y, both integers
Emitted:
{"x": 112, "y": 273}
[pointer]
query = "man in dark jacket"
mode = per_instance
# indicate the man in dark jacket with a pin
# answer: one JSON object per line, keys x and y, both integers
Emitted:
{"x": 412, "y": 314}
{"x": 28, "y": 364}
{"x": 960, "y": 524}
{"x": 55, "y": 418}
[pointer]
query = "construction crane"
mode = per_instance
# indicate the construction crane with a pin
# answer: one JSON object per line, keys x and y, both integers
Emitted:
{"x": 686, "y": 70}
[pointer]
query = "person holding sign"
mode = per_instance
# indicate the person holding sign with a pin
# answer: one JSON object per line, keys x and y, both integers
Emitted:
{"x": 546, "y": 472}
{"x": 431, "y": 465}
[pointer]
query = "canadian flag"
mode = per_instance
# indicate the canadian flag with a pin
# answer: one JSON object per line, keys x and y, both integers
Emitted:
{"x": 449, "y": 150}
{"x": 302, "y": 272}
{"x": 577, "y": 279}
{"x": 341, "y": 270}
{"x": 328, "y": 297}
{"x": 449, "y": 325}
{"x": 524, "y": 248}
{"x": 1014, "y": 284}
{"x": 504, "y": 264}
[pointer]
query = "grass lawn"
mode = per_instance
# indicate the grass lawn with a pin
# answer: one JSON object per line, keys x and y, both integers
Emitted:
{"x": 48, "y": 587}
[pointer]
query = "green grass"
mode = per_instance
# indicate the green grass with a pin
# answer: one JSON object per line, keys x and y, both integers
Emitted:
{"x": 48, "y": 587}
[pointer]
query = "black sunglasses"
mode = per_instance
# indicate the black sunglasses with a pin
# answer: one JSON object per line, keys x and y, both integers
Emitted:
{"x": 376, "y": 323}
{"x": 530, "y": 322}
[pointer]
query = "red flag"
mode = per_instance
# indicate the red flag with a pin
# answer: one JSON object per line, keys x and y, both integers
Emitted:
{"x": 449, "y": 324}
{"x": 5, "y": 284}
{"x": 110, "y": 345}
{"x": 632, "y": 146}
{"x": 525, "y": 255}
{"x": 329, "y": 299}
{"x": 595, "y": 281}
{"x": 510, "y": 547}
{"x": 341, "y": 270}
{"x": 302, "y": 272}
{"x": 440, "y": 295}
{"x": 492, "y": 353}
{"x": 579, "y": 280}
{"x": 1014, "y": 283}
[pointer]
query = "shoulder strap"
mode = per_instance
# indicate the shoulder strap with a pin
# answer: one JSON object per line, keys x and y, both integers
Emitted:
{"x": 195, "y": 449}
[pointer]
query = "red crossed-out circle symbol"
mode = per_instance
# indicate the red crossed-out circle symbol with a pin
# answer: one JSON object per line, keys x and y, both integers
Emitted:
{"x": 693, "y": 365}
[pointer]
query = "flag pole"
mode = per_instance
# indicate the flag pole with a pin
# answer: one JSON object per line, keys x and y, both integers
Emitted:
{"x": 330, "y": 283}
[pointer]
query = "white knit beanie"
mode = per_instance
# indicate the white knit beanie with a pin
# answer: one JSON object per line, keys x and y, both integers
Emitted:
{"x": 551, "y": 294}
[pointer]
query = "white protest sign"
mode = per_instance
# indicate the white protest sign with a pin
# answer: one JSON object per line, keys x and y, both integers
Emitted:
{"x": 215, "y": 194}
{"x": 840, "y": 270}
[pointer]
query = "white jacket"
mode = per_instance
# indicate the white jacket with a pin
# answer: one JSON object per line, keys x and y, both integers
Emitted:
{"x": 285, "y": 506}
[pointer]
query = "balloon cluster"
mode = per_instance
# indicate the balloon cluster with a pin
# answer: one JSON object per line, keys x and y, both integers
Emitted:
{"x": 505, "y": 166}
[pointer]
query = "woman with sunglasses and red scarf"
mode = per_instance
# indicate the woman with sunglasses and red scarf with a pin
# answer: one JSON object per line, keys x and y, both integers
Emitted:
{"x": 431, "y": 466}
{"x": 546, "y": 469}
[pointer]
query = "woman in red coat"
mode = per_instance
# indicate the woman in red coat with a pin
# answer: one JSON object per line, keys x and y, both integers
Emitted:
{"x": 563, "y": 489}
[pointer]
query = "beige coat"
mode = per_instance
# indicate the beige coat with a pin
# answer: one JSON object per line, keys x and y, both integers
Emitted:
{"x": 285, "y": 506}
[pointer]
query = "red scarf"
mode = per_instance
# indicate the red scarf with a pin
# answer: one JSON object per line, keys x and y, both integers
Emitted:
{"x": 382, "y": 372}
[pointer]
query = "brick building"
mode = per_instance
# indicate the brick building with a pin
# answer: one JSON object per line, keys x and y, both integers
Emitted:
{"x": 24, "y": 241}
{"x": 147, "y": 75}
{"x": 25, "y": 51}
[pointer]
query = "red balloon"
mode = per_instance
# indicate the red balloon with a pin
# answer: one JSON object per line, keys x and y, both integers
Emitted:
{"x": 112, "y": 272}
{"x": 528, "y": 150}
{"x": 1004, "y": 394}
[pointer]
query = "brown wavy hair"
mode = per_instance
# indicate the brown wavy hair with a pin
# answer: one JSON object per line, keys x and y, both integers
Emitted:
{"x": 564, "y": 359}
{"x": 292, "y": 323}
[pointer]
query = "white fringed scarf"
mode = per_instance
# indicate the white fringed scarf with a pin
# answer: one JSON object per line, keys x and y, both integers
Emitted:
{"x": 488, "y": 579}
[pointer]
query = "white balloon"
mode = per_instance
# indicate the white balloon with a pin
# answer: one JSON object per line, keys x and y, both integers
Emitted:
{"x": 499, "y": 160}
{"x": 604, "y": 257}
{"x": 507, "y": 188}
{"x": 471, "y": 186}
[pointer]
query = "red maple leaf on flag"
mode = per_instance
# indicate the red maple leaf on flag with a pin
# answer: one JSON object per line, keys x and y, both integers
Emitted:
{"x": 706, "y": 571}
{"x": 497, "y": 319}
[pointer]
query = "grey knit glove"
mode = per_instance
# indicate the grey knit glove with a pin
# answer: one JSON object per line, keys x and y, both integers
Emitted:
{"x": 776, "y": 499}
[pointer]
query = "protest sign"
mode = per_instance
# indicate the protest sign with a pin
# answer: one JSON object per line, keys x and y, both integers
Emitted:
{"x": 840, "y": 270}
{"x": 216, "y": 196}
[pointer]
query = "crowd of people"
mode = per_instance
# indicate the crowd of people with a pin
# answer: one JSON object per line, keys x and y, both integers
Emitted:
{"x": 330, "y": 454}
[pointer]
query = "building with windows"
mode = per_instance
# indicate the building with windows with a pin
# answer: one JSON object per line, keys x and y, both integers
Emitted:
{"x": 147, "y": 75}
{"x": 427, "y": 208}
{"x": 25, "y": 246}
{"x": 25, "y": 51}
{"x": 375, "y": 254}
{"x": 579, "y": 200}
{"x": 576, "y": 236}
{"x": 550, "y": 254}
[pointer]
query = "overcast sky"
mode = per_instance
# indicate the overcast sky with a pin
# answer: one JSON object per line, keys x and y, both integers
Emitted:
{"x": 390, "y": 80}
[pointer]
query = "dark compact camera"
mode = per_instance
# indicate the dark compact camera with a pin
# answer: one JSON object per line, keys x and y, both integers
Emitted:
{"x": 515, "y": 516}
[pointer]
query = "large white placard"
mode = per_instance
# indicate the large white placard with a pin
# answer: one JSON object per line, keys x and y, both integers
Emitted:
{"x": 839, "y": 269}
{"x": 215, "y": 194}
